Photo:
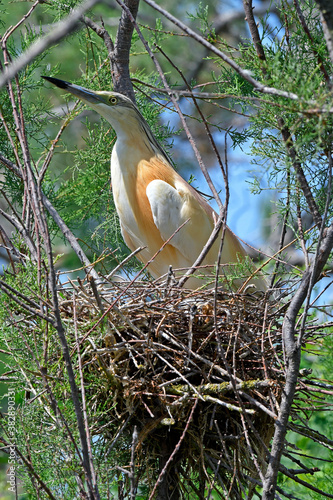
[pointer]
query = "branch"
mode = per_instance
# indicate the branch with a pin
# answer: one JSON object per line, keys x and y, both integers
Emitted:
{"x": 286, "y": 135}
{"x": 102, "y": 33}
{"x": 310, "y": 37}
{"x": 120, "y": 57}
{"x": 293, "y": 356}
{"x": 176, "y": 448}
{"x": 326, "y": 14}
{"x": 248, "y": 9}
{"x": 223, "y": 23}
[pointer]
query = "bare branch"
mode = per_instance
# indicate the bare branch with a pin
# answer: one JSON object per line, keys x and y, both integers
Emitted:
{"x": 102, "y": 33}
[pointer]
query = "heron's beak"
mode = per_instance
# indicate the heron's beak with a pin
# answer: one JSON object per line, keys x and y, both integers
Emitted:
{"x": 76, "y": 90}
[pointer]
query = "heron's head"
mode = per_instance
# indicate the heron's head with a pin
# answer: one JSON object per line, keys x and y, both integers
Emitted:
{"x": 118, "y": 110}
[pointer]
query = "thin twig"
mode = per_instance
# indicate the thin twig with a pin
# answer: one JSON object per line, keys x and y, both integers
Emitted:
{"x": 165, "y": 468}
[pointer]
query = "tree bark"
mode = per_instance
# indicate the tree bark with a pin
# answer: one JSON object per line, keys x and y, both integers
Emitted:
{"x": 293, "y": 356}
{"x": 326, "y": 11}
{"x": 120, "y": 56}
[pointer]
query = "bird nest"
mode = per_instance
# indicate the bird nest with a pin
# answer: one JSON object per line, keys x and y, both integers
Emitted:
{"x": 196, "y": 373}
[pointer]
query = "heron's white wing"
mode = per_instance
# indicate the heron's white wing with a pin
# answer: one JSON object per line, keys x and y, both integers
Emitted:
{"x": 171, "y": 207}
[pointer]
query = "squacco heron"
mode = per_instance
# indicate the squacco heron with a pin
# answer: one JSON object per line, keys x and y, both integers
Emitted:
{"x": 153, "y": 200}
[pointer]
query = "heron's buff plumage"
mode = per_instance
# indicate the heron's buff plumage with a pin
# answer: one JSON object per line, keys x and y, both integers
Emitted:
{"x": 153, "y": 200}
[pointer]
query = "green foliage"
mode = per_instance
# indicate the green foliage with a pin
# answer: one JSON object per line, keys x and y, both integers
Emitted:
{"x": 311, "y": 130}
{"x": 206, "y": 26}
{"x": 44, "y": 410}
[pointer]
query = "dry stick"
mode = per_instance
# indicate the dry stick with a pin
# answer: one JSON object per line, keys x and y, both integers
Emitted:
{"x": 131, "y": 282}
{"x": 23, "y": 232}
{"x": 60, "y": 31}
{"x": 116, "y": 269}
{"x": 258, "y": 404}
{"x": 198, "y": 395}
{"x": 321, "y": 233}
{"x": 163, "y": 471}
{"x": 212, "y": 464}
{"x": 283, "y": 231}
{"x": 317, "y": 297}
{"x": 285, "y": 471}
{"x": 5, "y": 288}
{"x": 299, "y": 463}
{"x": 235, "y": 472}
{"x": 120, "y": 431}
{"x": 135, "y": 438}
{"x": 83, "y": 397}
{"x": 51, "y": 149}
{"x": 300, "y": 229}
{"x": 102, "y": 33}
{"x": 219, "y": 255}
{"x": 214, "y": 235}
{"x": 11, "y": 251}
{"x": 11, "y": 30}
{"x": 212, "y": 365}
{"x": 21, "y": 170}
{"x": 314, "y": 435}
{"x": 12, "y": 143}
{"x": 28, "y": 299}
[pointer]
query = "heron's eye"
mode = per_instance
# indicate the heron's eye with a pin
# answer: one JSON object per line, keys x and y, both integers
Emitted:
{"x": 113, "y": 100}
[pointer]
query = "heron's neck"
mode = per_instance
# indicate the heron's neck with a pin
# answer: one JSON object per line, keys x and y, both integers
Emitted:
{"x": 130, "y": 150}
{"x": 133, "y": 143}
